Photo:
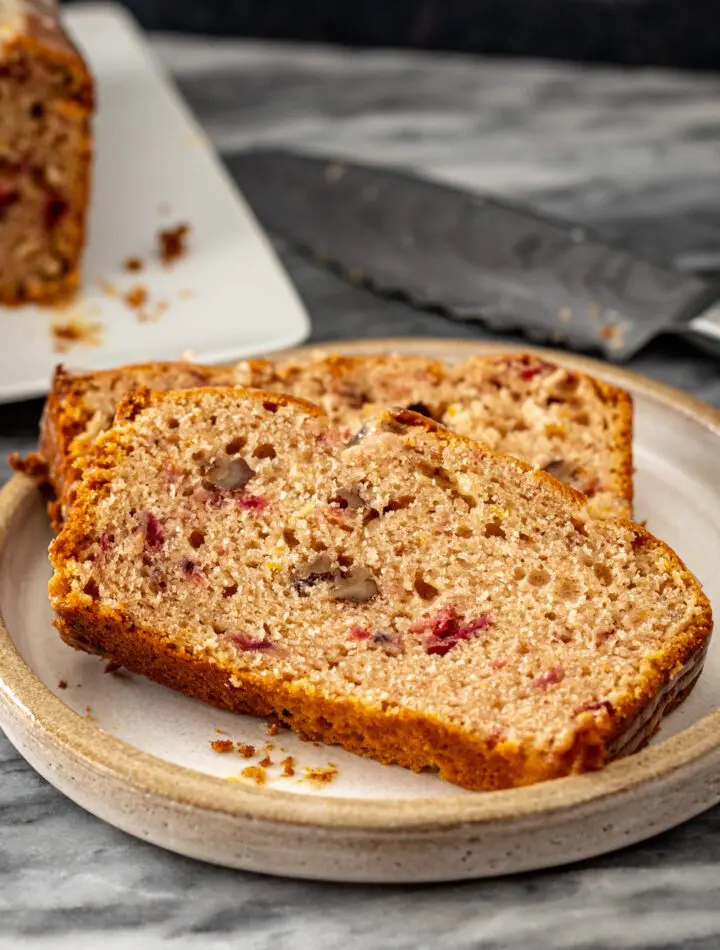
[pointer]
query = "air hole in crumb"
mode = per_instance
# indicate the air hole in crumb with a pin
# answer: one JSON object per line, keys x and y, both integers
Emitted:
{"x": 579, "y": 527}
{"x": 173, "y": 423}
{"x": 91, "y": 589}
{"x": 317, "y": 545}
{"x": 196, "y": 539}
{"x": 265, "y": 451}
{"x": 233, "y": 447}
{"x": 322, "y": 723}
{"x": 230, "y": 590}
{"x": 198, "y": 455}
{"x": 523, "y": 537}
{"x": 582, "y": 418}
{"x": 219, "y": 629}
{"x": 425, "y": 590}
{"x": 346, "y": 560}
{"x": 463, "y": 531}
{"x": 37, "y": 110}
{"x": 538, "y": 577}
{"x": 290, "y": 538}
{"x": 213, "y": 419}
{"x": 270, "y": 406}
{"x": 551, "y": 615}
{"x": 493, "y": 529}
{"x": 567, "y": 588}
{"x": 603, "y": 574}
{"x": 518, "y": 573}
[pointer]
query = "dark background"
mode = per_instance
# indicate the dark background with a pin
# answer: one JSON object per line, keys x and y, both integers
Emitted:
{"x": 681, "y": 33}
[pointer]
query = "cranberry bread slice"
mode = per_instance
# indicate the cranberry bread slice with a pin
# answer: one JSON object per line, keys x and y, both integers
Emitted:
{"x": 45, "y": 154}
{"x": 411, "y": 596}
{"x": 82, "y": 405}
{"x": 574, "y": 426}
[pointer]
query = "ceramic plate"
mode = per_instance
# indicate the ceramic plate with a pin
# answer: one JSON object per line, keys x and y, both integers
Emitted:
{"x": 140, "y": 756}
{"x": 154, "y": 169}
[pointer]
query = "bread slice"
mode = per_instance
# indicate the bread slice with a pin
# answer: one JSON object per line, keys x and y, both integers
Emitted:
{"x": 81, "y": 405}
{"x": 412, "y": 596}
{"x": 576, "y": 427}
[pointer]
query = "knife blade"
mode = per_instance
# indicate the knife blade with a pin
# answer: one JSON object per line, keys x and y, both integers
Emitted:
{"x": 474, "y": 256}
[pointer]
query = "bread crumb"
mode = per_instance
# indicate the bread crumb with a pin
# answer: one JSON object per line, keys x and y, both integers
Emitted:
{"x": 186, "y": 293}
{"x": 222, "y": 745}
{"x": 265, "y": 762}
{"x": 255, "y": 772}
{"x": 76, "y": 331}
{"x": 321, "y": 776}
{"x": 108, "y": 288}
{"x": 133, "y": 264}
{"x": 136, "y": 297}
{"x": 62, "y": 684}
{"x": 247, "y": 750}
{"x": 89, "y": 714}
{"x": 274, "y": 722}
{"x": 288, "y": 765}
{"x": 173, "y": 242}
{"x": 219, "y": 731}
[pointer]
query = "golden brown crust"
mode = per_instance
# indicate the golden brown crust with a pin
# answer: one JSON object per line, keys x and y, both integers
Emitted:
{"x": 401, "y": 737}
{"x": 388, "y": 734}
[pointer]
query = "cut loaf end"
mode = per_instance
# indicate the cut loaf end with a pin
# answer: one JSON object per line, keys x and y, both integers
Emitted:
{"x": 409, "y": 595}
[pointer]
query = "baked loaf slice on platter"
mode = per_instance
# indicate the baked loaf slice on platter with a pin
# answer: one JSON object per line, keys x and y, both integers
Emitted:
{"x": 412, "y": 596}
{"x": 578, "y": 428}
{"x": 46, "y": 104}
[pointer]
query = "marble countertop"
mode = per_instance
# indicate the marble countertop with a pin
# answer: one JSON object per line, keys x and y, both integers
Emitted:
{"x": 635, "y": 154}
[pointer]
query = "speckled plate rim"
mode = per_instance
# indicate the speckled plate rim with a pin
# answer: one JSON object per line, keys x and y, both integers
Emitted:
{"x": 26, "y": 704}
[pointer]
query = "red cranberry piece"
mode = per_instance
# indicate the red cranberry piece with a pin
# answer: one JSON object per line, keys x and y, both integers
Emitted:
{"x": 54, "y": 211}
{"x": 154, "y": 535}
{"x": 253, "y": 502}
{"x": 359, "y": 633}
{"x": 549, "y": 678}
{"x": 242, "y": 642}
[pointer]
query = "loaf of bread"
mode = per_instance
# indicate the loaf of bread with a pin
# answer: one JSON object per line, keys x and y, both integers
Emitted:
{"x": 46, "y": 103}
{"x": 410, "y": 595}
{"x": 578, "y": 428}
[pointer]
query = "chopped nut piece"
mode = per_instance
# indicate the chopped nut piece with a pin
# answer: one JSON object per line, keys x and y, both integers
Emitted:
{"x": 229, "y": 474}
{"x": 357, "y": 585}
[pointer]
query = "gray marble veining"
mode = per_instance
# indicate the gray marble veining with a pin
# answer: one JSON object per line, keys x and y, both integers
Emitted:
{"x": 635, "y": 154}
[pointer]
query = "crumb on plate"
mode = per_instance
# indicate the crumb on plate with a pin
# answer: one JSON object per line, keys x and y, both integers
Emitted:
{"x": 222, "y": 745}
{"x": 256, "y": 773}
{"x": 75, "y": 331}
{"x": 173, "y": 242}
{"x": 321, "y": 776}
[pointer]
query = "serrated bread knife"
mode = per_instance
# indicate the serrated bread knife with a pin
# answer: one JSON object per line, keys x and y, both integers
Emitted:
{"x": 475, "y": 257}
